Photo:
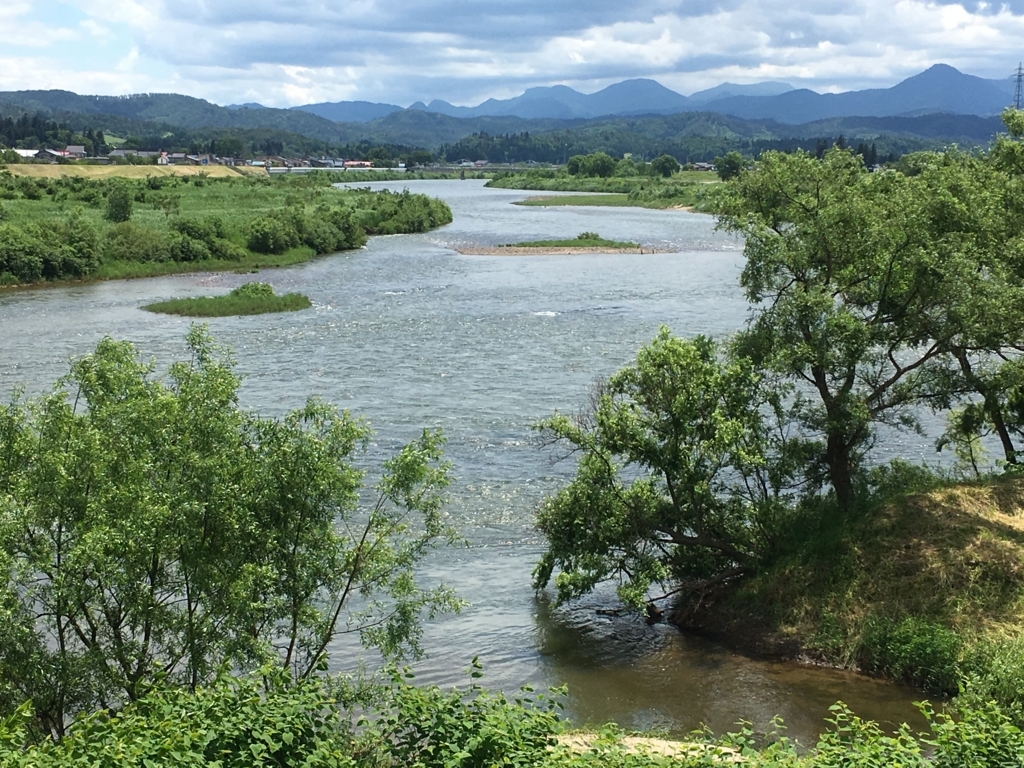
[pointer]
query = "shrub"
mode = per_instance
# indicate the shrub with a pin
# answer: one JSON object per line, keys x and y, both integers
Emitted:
{"x": 254, "y": 291}
{"x": 130, "y": 242}
{"x": 913, "y": 650}
{"x": 993, "y": 670}
{"x": 188, "y": 249}
{"x": 119, "y": 202}
{"x": 270, "y": 234}
{"x": 431, "y": 728}
{"x": 21, "y": 254}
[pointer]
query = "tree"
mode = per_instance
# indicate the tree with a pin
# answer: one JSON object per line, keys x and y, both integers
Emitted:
{"x": 865, "y": 285}
{"x": 153, "y": 531}
{"x": 119, "y": 201}
{"x": 674, "y": 484}
{"x": 729, "y": 165}
{"x": 665, "y": 165}
{"x": 597, "y": 164}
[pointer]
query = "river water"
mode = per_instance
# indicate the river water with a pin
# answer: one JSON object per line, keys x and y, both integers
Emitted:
{"x": 410, "y": 334}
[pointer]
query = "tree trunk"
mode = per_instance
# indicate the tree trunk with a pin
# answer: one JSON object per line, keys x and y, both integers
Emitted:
{"x": 840, "y": 470}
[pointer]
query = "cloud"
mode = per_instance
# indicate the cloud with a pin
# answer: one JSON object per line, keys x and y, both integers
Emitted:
{"x": 467, "y": 50}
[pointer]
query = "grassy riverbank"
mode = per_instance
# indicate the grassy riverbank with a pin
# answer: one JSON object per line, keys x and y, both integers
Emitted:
{"x": 73, "y": 228}
{"x": 247, "y": 299}
{"x": 926, "y": 589}
{"x": 690, "y": 189}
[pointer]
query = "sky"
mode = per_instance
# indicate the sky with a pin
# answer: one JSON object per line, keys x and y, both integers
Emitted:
{"x": 284, "y": 54}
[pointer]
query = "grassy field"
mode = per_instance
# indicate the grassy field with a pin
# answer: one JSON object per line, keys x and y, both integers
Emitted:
{"x": 247, "y": 299}
{"x": 46, "y": 171}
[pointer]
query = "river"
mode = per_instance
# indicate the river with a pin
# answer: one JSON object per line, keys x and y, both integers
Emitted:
{"x": 410, "y": 334}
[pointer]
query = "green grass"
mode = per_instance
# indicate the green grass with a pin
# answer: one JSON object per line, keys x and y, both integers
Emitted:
{"x": 910, "y": 589}
{"x": 248, "y": 299}
{"x": 583, "y": 240}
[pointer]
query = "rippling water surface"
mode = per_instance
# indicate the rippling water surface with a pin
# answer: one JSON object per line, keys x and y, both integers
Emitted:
{"x": 410, "y": 334}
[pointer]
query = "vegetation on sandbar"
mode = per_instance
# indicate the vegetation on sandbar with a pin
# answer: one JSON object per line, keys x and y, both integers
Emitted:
{"x": 582, "y": 240}
{"x": 247, "y": 299}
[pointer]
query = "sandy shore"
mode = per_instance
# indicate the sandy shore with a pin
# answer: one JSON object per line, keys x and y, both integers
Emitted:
{"x": 511, "y": 250}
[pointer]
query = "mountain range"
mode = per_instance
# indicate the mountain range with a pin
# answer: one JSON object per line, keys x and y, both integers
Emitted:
{"x": 939, "y": 105}
{"x": 940, "y": 88}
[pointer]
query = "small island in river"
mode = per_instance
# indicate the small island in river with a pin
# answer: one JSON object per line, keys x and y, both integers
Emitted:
{"x": 247, "y": 299}
{"x": 585, "y": 242}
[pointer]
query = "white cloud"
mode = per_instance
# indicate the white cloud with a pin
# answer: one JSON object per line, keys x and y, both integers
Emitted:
{"x": 467, "y": 50}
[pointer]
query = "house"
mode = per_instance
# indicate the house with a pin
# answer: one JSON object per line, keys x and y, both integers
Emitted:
{"x": 27, "y": 154}
{"x": 74, "y": 152}
{"x": 198, "y": 159}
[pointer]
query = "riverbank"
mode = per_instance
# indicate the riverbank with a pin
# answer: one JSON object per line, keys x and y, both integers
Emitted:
{"x": 683, "y": 188}
{"x": 923, "y": 590}
{"x": 72, "y": 229}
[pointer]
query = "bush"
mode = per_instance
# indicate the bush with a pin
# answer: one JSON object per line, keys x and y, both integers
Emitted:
{"x": 232, "y": 723}
{"x": 119, "y": 202}
{"x": 913, "y": 651}
{"x": 270, "y": 234}
{"x": 994, "y": 671}
{"x": 431, "y": 728}
{"x": 254, "y": 291}
{"x": 130, "y": 242}
{"x": 188, "y": 249}
{"x": 21, "y": 254}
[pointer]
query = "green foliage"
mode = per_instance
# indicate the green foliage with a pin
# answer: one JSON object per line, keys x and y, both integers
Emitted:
{"x": 582, "y": 240}
{"x": 993, "y": 670}
{"x": 234, "y": 722}
{"x": 729, "y": 165}
{"x": 867, "y": 288}
{"x": 153, "y": 530}
{"x": 470, "y": 728}
{"x": 923, "y": 654}
{"x": 132, "y": 242}
{"x": 247, "y": 299}
{"x": 271, "y": 234}
{"x": 209, "y": 223}
{"x": 665, "y": 165}
{"x": 119, "y": 201}
{"x": 660, "y": 493}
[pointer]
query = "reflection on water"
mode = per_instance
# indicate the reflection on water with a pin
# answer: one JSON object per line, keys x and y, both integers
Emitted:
{"x": 410, "y": 334}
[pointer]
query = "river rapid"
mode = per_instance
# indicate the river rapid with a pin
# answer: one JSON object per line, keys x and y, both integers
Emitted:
{"x": 409, "y": 334}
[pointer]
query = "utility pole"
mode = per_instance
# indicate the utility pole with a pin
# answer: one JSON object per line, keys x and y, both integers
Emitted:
{"x": 1018, "y": 97}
